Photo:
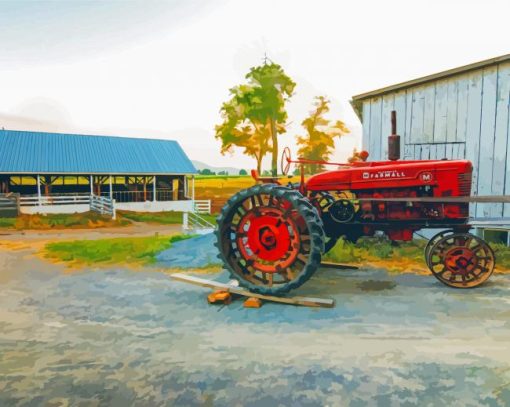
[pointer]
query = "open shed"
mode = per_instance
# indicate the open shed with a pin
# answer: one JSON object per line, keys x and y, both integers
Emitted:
{"x": 140, "y": 174}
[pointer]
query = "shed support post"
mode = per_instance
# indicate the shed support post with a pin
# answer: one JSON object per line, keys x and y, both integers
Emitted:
{"x": 193, "y": 193}
{"x": 154, "y": 188}
{"x": 111, "y": 188}
{"x": 192, "y": 187}
{"x": 91, "y": 181}
{"x": 38, "y": 189}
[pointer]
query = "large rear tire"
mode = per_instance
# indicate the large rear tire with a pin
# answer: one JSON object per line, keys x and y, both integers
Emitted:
{"x": 270, "y": 238}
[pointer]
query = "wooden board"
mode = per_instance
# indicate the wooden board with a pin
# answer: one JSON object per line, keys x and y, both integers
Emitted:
{"x": 304, "y": 301}
{"x": 338, "y": 266}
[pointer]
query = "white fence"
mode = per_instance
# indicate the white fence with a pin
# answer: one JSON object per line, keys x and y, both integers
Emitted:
{"x": 103, "y": 205}
{"x": 202, "y": 206}
{"x": 193, "y": 222}
{"x": 44, "y": 200}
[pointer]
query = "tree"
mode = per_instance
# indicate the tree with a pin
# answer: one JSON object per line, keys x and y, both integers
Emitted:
{"x": 255, "y": 114}
{"x": 270, "y": 88}
{"x": 239, "y": 131}
{"x": 206, "y": 171}
{"x": 319, "y": 141}
{"x": 243, "y": 172}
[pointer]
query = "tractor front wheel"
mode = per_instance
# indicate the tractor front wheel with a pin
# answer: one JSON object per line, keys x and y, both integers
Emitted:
{"x": 270, "y": 238}
{"x": 461, "y": 260}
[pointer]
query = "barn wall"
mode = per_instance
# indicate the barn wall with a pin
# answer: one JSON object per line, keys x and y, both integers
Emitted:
{"x": 464, "y": 116}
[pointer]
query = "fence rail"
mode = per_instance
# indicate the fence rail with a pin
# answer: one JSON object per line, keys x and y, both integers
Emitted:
{"x": 103, "y": 205}
{"x": 54, "y": 200}
{"x": 202, "y": 206}
{"x": 162, "y": 194}
{"x": 9, "y": 205}
{"x": 193, "y": 221}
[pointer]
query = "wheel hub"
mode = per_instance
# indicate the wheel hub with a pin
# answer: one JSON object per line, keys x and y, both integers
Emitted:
{"x": 460, "y": 260}
{"x": 268, "y": 238}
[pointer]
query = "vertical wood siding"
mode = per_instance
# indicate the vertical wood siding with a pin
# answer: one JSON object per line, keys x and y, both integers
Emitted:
{"x": 465, "y": 116}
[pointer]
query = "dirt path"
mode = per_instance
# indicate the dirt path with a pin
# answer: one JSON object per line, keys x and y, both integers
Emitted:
{"x": 118, "y": 337}
{"x": 31, "y": 241}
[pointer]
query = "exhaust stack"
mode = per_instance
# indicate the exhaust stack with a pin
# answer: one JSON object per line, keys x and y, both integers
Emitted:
{"x": 394, "y": 139}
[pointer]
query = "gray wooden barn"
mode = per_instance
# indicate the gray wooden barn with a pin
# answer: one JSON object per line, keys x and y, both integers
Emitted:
{"x": 458, "y": 113}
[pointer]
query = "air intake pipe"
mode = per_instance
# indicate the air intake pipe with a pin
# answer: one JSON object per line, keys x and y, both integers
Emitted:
{"x": 393, "y": 139}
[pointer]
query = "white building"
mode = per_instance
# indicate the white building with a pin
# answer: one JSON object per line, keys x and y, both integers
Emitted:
{"x": 459, "y": 113}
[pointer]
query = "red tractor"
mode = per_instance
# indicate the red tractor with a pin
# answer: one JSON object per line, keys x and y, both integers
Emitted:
{"x": 271, "y": 237}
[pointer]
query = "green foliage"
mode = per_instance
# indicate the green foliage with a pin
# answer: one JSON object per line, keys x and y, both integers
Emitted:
{"x": 7, "y": 222}
{"x": 319, "y": 141}
{"x": 502, "y": 253}
{"x": 343, "y": 252}
{"x": 243, "y": 172}
{"x": 206, "y": 171}
{"x": 256, "y": 114}
{"x": 138, "y": 250}
{"x": 375, "y": 249}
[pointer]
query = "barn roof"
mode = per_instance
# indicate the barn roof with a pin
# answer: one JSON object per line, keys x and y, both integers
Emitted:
{"x": 58, "y": 153}
{"x": 357, "y": 99}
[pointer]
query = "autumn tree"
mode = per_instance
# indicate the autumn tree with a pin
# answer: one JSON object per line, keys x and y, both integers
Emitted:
{"x": 319, "y": 141}
{"x": 237, "y": 131}
{"x": 255, "y": 114}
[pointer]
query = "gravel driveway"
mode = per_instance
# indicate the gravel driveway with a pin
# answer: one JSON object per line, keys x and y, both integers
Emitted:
{"x": 119, "y": 337}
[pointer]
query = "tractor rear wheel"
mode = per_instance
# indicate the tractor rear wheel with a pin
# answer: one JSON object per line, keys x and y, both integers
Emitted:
{"x": 270, "y": 238}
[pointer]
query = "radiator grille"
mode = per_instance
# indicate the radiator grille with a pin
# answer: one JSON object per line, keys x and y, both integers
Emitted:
{"x": 464, "y": 184}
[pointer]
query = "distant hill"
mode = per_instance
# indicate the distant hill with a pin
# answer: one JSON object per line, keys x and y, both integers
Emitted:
{"x": 199, "y": 165}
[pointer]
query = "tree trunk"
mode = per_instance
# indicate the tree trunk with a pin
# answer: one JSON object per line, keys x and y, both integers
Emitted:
{"x": 259, "y": 164}
{"x": 274, "y": 139}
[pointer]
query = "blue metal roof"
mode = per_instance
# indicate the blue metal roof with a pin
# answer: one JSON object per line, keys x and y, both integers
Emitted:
{"x": 57, "y": 153}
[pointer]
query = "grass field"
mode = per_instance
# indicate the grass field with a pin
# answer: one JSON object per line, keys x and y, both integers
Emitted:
{"x": 125, "y": 250}
{"x": 164, "y": 218}
{"x": 405, "y": 256}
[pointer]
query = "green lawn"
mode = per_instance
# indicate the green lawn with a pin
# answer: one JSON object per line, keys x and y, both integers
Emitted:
{"x": 165, "y": 218}
{"x": 399, "y": 257}
{"x": 7, "y": 222}
{"x": 131, "y": 250}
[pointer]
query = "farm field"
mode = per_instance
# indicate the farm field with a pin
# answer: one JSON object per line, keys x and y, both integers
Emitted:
{"x": 220, "y": 188}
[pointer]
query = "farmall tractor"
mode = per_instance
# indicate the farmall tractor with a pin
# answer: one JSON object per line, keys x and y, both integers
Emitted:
{"x": 271, "y": 237}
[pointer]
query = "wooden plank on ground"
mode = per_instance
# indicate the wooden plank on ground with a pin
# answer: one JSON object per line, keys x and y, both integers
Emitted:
{"x": 338, "y": 266}
{"x": 296, "y": 300}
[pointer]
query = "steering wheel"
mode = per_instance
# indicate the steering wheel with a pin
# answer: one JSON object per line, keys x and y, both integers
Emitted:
{"x": 286, "y": 161}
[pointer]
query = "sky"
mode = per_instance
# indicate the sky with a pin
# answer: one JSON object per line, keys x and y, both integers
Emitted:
{"x": 162, "y": 69}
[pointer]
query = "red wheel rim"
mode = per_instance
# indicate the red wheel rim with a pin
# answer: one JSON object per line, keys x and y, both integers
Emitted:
{"x": 268, "y": 240}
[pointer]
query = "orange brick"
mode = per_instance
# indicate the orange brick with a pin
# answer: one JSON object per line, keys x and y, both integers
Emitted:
{"x": 253, "y": 302}
{"x": 222, "y": 297}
